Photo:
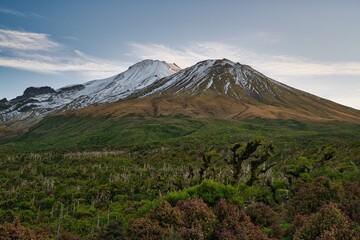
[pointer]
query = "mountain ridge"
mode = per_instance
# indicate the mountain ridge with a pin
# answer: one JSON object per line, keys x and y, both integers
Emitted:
{"x": 36, "y": 103}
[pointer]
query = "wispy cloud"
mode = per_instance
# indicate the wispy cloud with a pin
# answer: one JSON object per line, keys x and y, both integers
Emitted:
{"x": 37, "y": 52}
{"x": 17, "y": 40}
{"x": 36, "y": 15}
{"x": 12, "y": 12}
{"x": 69, "y": 38}
{"x": 17, "y": 13}
{"x": 273, "y": 65}
{"x": 78, "y": 62}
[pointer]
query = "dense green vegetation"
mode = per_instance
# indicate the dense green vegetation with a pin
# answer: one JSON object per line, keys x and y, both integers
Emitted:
{"x": 72, "y": 132}
{"x": 72, "y": 177}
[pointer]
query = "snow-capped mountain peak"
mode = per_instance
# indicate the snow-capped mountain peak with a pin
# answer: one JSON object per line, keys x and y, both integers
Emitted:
{"x": 138, "y": 76}
{"x": 156, "y": 64}
{"x": 40, "y": 102}
{"x": 219, "y": 77}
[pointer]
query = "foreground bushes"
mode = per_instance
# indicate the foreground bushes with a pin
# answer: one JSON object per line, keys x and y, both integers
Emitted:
{"x": 14, "y": 230}
{"x": 194, "y": 219}
{"x": 113, "y": 197}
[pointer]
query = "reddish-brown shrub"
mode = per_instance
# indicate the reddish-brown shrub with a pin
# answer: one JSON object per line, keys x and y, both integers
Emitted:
{"x": 262, "y": 215}
{"x": 310, "y": 197}
{"x": 197, "y": 215}
{"x": 193, "y": 233}
{"x": 14, "y": 230}
{"x": 235, "y": 224}
{"x": 167, "y": 216}
{"x": 351, "y": 202}
{"x": 328, "y": 223}
{"x": 144, "y": 228}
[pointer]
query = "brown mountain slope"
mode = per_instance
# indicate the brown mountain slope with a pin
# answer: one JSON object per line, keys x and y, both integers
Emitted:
{"x": 205, "y": 106}
{"x": 223, "y": 89}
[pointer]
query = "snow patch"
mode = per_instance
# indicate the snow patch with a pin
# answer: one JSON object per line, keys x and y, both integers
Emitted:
{"x": 210, "y": 83}
{"x": 226, "y": 88}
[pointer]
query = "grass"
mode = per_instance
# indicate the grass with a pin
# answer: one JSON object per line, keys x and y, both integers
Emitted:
{"x": 70, "y": 133}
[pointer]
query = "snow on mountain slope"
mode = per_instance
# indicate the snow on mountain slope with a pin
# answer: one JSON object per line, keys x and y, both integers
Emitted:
{"x": 221, "y": 77}
{"x": 224, "y": 89}
{"x": 112, "y": 89}
{"x": 36, "y": 103}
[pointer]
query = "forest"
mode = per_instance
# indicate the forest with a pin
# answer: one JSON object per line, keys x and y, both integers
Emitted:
{"x": 204, "y": 179}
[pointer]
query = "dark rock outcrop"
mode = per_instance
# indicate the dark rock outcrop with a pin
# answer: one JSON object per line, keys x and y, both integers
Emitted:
{"x": 34, "y": 91}
{"x": 4, "y": 104}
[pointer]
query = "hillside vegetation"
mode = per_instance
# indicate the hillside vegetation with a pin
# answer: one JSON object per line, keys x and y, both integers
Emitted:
{"x": 81, "y": 132}
{"x": 100, "y": 177}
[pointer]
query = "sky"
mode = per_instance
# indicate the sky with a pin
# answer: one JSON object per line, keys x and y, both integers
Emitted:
{"x": 310, "y": 45}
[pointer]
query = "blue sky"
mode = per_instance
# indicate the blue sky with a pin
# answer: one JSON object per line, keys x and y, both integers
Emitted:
{"x": 310, "y": 45}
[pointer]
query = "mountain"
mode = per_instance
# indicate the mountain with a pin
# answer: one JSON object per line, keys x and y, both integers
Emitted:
{"x": 36, "y": 103}
{"x": 142, "y": 103}
{"x": 211, "y": 88}
{"x": 228, "y": 90}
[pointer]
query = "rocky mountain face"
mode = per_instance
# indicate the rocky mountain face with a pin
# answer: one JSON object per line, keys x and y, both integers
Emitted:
{"x": 32, "y": 91}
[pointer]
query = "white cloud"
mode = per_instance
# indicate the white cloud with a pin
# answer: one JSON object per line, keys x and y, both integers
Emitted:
{"x": 77, "y": 63}
{"x": 17, "y": 40}
{"x": 37, "y": 52}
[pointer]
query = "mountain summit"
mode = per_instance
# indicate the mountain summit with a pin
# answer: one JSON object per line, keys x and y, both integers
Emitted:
{"x": 221, "y": 77}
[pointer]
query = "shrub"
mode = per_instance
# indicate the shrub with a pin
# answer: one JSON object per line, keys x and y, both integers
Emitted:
{"x": 197, "y": 215}
{"x": 167, "y": 216}
{"x": 265, "y": 217}
{"x": 235, "y": 224}
{"x": 310, "y": 197}
{"x": 211, "y": 192}
{"x": 113, "y": 231}
{"x": 15, "y": 230}
{"x": 351, "y": 203}
{"x": 328, "y": 223}
{"x": 144, "y": 228}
